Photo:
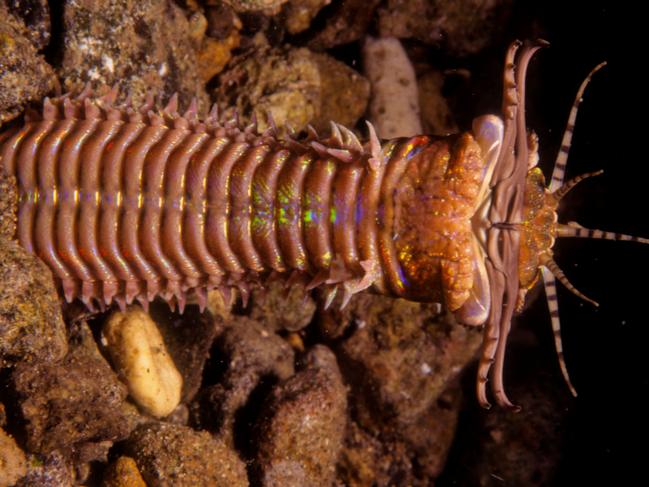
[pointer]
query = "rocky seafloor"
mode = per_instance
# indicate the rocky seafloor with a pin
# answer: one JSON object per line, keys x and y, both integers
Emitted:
{"x": 279, "y": 391}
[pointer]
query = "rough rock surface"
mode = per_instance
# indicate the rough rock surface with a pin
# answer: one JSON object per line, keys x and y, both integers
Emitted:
{"x": 394, "y": 107}
{"x": 436, "y": 116}
{"x": 214, "y": 42}
{"x": 461, "y": 27}
{"x": 402, "y": 356}
{"x": 24, "y": 75}
{"x": 12, "y": 461}
{"x": 517, "y": 449}
{"x": 249, "y": 356}
{"x": 140, "y": 46}
{"x": 344, "y": 22}
{"x": 123, "y": 472}
{"x": 279, "y": 308}
{"x": 8, "y": 206}
{"x": 35, "y": 14}
{"x": 297, "y": 87}
{"x": 300, "y": 13}
{"x": 31, "y": 325}
{"x": 302, "y": 433}
{"x": 174, "y": 455}
{"x": 247, "y": 5}
{"x": 52, "y": 470}
{"x": 77, "y": 401}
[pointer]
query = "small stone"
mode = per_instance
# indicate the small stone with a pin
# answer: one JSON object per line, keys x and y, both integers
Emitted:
{"x": 302, "y": 434}
{"x": 12, "y": 461}
{"x": 213, "y": 52}
{"x": 345, "y": 22}
{"x": 8, "y": 205}
{"x": 460, "y": 27}
{"x": 123, "y": 472}
{"x": 76, "y": 401}
{"x": 436, "y": 116}
{"x": 24, "y": 74}
{"x": 139, "y": 354}
{"x": 247, "y": 355}
{"x": 31, "y": 324}
{"x": 394, "y": 106}
{"x": 300, "y": 13}
{"x": 384, "y": 358}
{"x": 280, "y": 308}
{"x": 53, "y": 470}
{"x": 174, "y": 455}
{"x": 296, "y": 86}
{"x": 142, "y": 47}
{"x": 214, "y": 55}
{"x": 252, "y": 5}
{"x": 35, "y": 14}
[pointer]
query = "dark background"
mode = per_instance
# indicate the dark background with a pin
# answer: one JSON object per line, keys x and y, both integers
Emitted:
{"x": 605, "y": 427}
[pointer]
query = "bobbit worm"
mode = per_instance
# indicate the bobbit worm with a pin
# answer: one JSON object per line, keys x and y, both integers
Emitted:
{"x": 125, "y": 204}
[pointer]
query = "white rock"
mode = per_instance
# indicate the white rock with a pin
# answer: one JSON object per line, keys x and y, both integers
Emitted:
{"x": 139, "y": 353}
{"x": 394, "y": 103}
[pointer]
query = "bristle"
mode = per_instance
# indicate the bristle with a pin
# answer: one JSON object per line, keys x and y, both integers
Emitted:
{"x": 341, "y": 154}
{"x": 226, "y": 294}
{"x": 90, "y": 110}
{"x": 244, "y": 292}
{"x": 319, "y": 148}
{"x": 201, "y": 298}
{"x": 213, "y": 116}
{"x": 317, "y": 280}
{"x": 152, "y": 289}
{"x": 252, "y": 127}
{"x": 312, "y": 133}
{"x": 155, "y": 119}
{"x": 88, "y": 290}
{"x": 335, "y": 134}
{"x": 376, "y": 152}
{"x": 350, "y": 140}
{"x": 330, "y": 294}
{"x": 86, "y": 93}
{"x": 171, "y": 109}
{"x": 144, "y": 302}
{"x": 121, "y": 302}
{"x": 148, "y": 105}
{"x": 233, "y": 120}
{"x": 131, "y": 290}
{"x": 182, "y": 302}
{"x": 109, "y": 98}
{"x": 272, "y": 126}
{"x": 109, "y": 290}
{"x": 69, "y": 287}
{"x": 69, "y": 109}
{"x": 191, "y": 114}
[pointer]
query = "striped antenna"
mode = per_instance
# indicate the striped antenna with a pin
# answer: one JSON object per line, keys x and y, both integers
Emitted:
{"x": 558, "y": 273}
{"x": 559, "y": 172}
{"x": 553, "y": 304}
{"x": 574, "y": 229}
{"x": 565, "y": 189}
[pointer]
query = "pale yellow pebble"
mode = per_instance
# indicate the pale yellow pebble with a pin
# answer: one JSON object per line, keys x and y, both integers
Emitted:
{"x": 140, "y": 356}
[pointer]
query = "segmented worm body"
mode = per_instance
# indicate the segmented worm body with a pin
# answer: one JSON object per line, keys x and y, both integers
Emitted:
{"x": 125, "y": 204}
